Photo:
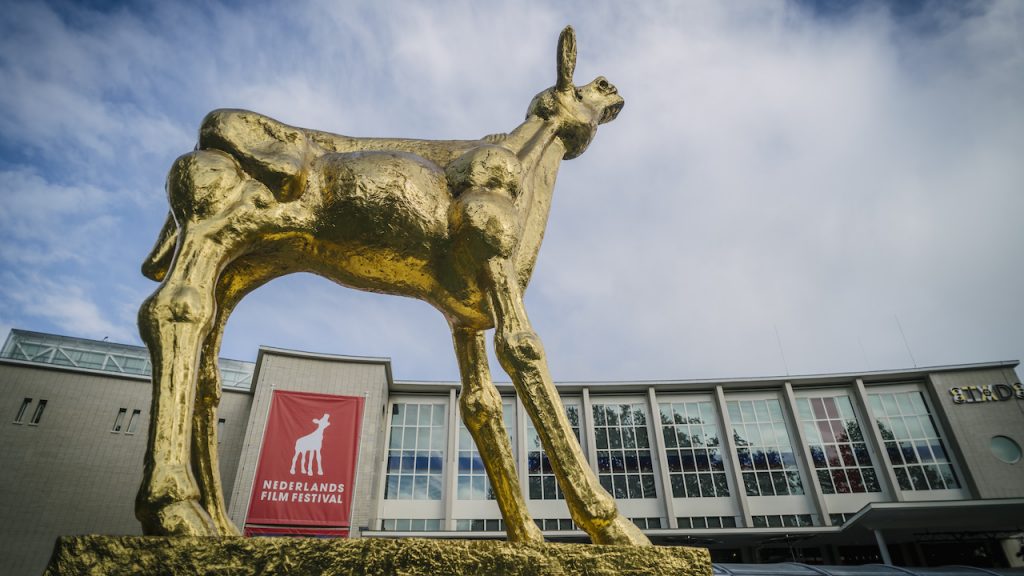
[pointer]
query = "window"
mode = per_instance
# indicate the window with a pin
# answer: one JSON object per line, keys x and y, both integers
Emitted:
{"x": 706, "y": 522}
{"x": 624, "y": 463}
{"x": 543, "y": 485}
{"x": 473, "y": 483}
{"x": 647, "y": 523}
{"x": 765, "y": 452}
{"x": 220, "y": 429}
{"x": 782, "y": 521}
{"x": 416, "y": 451}
{"x": 840, "y": 519}
{"x": 411, "y": 525}
{"x": 1005, "y": 449}
{"x": 21, "y": 411}
{"x": 838, "y": 451}
{"x": 38, "y": 414}
{"x": 912, "y": 442}
{"x": 119, "y": 420}
{"x": 480, "y": 525}
{"x": 133, "y": 422}
{"x": 695, "y": 464}
{"x": 562, "y": 524}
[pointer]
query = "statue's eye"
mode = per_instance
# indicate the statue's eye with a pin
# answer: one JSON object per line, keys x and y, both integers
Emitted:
{"x": 602, "y": 84}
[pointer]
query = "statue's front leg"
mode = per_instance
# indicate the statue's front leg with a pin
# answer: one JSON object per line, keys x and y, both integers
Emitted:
{"x": 481, "y": 409}
{"x": 521, "y": 354}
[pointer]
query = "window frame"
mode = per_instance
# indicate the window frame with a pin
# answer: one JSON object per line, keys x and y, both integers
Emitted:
{"x": 19, "y": 418}
{"x": 37, "y": 416}
{"x": 671, "y": 445}
{"x": 810, "y": 394}
{"x": 592, "y": 422}
{"x": 921, "y": 388}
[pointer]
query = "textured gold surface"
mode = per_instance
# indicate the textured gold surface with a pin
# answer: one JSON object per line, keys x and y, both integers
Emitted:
{"x": 113, "y": 555}
{"x": 456, "y": 224}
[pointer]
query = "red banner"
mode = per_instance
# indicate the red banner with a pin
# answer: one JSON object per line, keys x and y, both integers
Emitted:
{"x": 275, "y": 531}
{"x": 307, "y": 463}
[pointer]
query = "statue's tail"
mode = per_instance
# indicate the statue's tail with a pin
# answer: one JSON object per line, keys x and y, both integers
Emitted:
{"x": 158, "y": 262}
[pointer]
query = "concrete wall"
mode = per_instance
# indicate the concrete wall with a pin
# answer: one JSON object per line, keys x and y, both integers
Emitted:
{"x": 971, "y": 427}
{"x": 282, "y": 370}
{"x": 71, "y": 474}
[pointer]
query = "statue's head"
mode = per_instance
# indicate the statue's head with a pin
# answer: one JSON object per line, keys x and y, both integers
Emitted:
{"x": 577, "y": 109}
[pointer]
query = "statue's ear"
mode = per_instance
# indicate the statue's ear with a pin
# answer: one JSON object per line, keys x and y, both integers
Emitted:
{"x": 566, "y": 58}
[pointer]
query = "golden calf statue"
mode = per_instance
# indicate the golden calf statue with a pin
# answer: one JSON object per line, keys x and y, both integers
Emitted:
{"x": 455, "y": 223}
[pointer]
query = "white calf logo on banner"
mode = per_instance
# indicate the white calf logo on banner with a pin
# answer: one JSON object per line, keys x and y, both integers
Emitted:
{"x": 309, "y": 446}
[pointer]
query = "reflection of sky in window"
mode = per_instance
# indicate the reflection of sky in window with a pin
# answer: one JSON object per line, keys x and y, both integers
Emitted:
{"x": 764, "y": 450}
{"x": 416, "y": 452}
{"x": 912, "y": 442}
{"x": 472, "y": 483}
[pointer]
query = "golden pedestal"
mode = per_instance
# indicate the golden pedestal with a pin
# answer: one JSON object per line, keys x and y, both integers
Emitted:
{"x": 234, "y": 556}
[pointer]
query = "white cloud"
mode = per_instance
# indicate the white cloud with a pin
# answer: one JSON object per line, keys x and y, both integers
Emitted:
{"x": 771, "y": 170}
{"x": 43, "y": 222}
{"x": 63, "y": 302}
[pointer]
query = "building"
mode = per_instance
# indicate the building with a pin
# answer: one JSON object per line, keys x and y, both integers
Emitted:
{"x": 919, "y": 467}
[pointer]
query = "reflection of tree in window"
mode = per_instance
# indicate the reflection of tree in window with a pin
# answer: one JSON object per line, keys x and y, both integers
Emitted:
{"x": 763, "y": 447}
{"x": 917, "y": 452}
{"x": 693, "y": 451}
{"x": 416, "y": 452}
{"x": 623, "y": 450}
{"x": 473, "y": 483}
{"x": 543, "y": 485}
{"x": 837, "y": 445}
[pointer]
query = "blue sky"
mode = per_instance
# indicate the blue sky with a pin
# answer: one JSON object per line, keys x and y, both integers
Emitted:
{"x": 794, "y": 173}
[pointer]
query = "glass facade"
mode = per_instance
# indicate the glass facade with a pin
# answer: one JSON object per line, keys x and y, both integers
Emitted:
{"x": 624, "y": 461}
{"x": 764, "y": 450}
{"x": 694, "y": 463}
{"x": 416, "y": 450}
{"x": 693, "y": 450}
{"x": 912, "y": 441}
{"x": 838, "y": 450}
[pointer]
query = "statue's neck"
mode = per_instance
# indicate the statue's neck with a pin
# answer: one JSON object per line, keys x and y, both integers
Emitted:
{"x": 539, "y": 149}
{"x": 530, "y": 139}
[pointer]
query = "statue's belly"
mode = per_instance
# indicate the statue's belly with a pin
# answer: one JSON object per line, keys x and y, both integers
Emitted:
{"x": 389, "y": 200}
{"x": 380, "y": 223}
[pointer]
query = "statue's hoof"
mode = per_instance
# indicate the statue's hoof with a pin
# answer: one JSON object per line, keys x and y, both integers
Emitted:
{"x": 185, "y": 518}
{"x": 621, "y": 531}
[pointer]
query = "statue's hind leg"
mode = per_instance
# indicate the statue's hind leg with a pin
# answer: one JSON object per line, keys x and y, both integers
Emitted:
{"x": 521, "y": 354}
{"x": 482, "y": 412}
{"x": 239, "y": 279}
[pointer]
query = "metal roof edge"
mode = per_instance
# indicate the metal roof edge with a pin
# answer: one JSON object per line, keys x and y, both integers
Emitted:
{"x": 79, "y": 369}
{"x": 872, "y": 375}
